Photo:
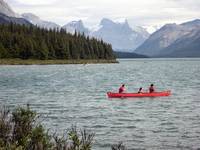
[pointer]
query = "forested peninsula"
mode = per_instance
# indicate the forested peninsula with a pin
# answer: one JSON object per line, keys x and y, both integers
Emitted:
{"x": 21, "y": 44}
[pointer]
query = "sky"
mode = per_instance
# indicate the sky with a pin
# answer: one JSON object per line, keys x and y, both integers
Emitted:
{"x": 146, "y": 13}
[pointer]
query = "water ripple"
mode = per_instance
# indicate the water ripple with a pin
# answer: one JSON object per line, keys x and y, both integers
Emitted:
{"x": 72, "y": 94}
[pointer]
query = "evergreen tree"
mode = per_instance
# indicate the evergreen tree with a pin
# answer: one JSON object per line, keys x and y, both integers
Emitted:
{"x": 25, "y": 42}
{"x": 43, "y": 51}
{"x": 3, "y": 52}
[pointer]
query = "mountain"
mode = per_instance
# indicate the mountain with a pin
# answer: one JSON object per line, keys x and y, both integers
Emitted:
{"x": 171, "y": 38}
{"x": 7, "y": 15}
{"x": 142, "y": 31}
{"x": 128, "y": 55}
{"x": 152, "y": 28}
{"x": 186, "y": 46}
{"x": 76, "y": 26}
{"x": 6, "y": 10}
{"x": 120, "y": 35}
{"x": 40, "y": 23}
{"x": 6, "y": 20}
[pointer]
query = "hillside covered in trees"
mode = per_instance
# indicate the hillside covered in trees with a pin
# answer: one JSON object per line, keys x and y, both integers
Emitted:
{"x": 31, "y": 42}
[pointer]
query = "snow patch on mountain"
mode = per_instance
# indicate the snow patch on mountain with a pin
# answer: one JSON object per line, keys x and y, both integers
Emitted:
{"x": 77, "y": 26}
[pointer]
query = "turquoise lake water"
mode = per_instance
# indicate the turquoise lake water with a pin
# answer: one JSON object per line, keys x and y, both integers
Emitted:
{"x": 76, "y": 94}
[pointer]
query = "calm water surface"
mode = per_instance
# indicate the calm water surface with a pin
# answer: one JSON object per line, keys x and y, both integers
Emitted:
{"x": 76, "y": 94}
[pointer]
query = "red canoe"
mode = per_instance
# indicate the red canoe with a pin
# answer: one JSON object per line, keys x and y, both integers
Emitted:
{"x": 126, "y": 95}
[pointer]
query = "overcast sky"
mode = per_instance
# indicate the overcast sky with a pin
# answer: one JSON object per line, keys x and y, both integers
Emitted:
{"x": 138, "y": 12}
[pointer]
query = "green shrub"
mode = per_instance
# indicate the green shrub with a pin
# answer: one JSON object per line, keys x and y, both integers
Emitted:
{"x": 23, "y": 120}
{"x": 5, "y": 127}
{"x": 20, "y": 131}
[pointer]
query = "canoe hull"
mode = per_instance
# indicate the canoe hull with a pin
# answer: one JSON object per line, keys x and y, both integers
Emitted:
{"x": 127, "y": 95}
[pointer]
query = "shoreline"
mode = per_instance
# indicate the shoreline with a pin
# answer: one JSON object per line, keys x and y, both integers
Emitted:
{"x": 54, "y": 62}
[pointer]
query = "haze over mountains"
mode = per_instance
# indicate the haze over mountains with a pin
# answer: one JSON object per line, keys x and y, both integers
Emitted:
{"x": 40, "y": 23}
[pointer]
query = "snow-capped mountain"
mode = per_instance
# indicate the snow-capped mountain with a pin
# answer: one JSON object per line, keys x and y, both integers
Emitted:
{"x": 170, "y": 38}
{"x": 142, "y": 31}
{"x": 120, "y": 35}
{"x": 6, "y": 10}
{"x": 78, "y": 26}
{"x": 152, "y": 28}
{"x": 40, "y": 23}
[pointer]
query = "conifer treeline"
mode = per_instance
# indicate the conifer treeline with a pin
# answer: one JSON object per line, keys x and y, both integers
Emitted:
{"x": 31, "y": 42}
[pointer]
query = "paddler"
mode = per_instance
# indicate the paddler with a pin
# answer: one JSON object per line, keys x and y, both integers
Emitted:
{"x": 151, "y": 88}
{"x": 140, "y": 90}
{"x": 122, "y": 88}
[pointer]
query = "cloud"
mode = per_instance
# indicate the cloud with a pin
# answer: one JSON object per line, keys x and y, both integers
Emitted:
{"x": 36, "y": 2}
{"x": 142, "y": 12}
{"x": 188, "y": 3}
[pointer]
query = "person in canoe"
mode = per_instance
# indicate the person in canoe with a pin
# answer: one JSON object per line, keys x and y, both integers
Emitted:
{"x": 140, "y": 90}
{"x": 151, "y": 88}
{"x": 122, "y": 89}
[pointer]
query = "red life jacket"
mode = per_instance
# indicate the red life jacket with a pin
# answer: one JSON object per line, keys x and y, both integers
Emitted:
{"x": 121, "y": 89}
{"x": 151, "y": 89}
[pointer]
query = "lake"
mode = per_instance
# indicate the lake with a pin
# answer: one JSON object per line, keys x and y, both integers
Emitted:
{"x": 76, "y": 94}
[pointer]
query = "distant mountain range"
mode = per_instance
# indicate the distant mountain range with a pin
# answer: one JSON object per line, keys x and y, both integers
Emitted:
{"x": 120, "y": 35}
{"x": 173, "y": 40}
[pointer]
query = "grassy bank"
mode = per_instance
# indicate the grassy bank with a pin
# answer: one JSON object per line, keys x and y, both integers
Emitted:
{"x": 52, "y": 62}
